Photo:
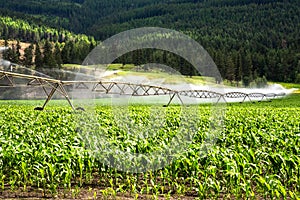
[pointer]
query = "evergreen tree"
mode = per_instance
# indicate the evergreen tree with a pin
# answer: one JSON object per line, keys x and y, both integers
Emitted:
{"x": 230, "y": 69}
{"x": 5, "y": 43}
{"x": 74, "y": 53}
{"x": 18, "y": 53}
{"x": 57, "y": 56}
{"x": 238, "y": 69}
{"x": 220, "y": 62}
{"x": 13, "y": 54}
{"x": 38, "y": 56}
{"x": 7, "y": 54}
{"x": 28, "y": 56}
{"x": 48, "y": 60}
{"x": 91, "y": 46}
{"x": 65, "y": 53}
{"x": 247, "y": 69}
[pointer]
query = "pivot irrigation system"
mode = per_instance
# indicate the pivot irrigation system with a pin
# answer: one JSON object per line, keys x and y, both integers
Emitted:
{"x": 9, "y": 78}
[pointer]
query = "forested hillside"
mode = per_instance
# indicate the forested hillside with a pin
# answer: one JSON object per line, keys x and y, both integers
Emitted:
{"x": 248, "y": 39}
{"x": 49, "y": 47}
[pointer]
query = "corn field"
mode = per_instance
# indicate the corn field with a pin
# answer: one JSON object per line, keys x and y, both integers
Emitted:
{"x": 255, "y": 155}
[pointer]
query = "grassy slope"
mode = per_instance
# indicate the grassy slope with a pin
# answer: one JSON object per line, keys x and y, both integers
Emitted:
{"x": 289, "y": 85}
{"x": 129, "y": 70}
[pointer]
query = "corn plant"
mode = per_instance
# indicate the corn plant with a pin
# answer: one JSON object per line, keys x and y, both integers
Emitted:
{"x": 256, "y": 154}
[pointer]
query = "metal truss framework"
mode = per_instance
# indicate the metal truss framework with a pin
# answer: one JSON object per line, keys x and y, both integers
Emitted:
{"x": 10, "y": 79}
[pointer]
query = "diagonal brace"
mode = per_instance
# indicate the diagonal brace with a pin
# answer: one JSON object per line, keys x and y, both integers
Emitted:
{"x": 172, "y": 97}
{"x": 57, "y": 87}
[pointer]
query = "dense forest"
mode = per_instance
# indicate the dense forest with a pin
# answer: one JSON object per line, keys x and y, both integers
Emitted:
{"x": 49, "y": 47}
{"x": 248, "y": 39}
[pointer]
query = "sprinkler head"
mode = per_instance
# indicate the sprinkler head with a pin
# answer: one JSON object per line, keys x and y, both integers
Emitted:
{"x": 80, "y": 108}
{"x": 39, "y": 108}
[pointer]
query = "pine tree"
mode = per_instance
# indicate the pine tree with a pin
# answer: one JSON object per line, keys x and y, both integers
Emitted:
{"x": 65, "y": 53}
{"x": 247, "y": 68}
{"x": 238, "y": 69}
{"x": 28, "y": 56}
{"x": 18, "y": 53}
{"x": 74, "y": 55}
{"x": 230, "y": 69}
{"x": 13, "y": 55}
{"x": 92, "y": 46}
{"x": 7, "y": 54}
{"x": 48, "y": 60}
{"x": 6, "y": 43}
{"x": 219, "y": 61}
{"x": 38, "y": 57}
{"x": 57, "y": 56}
